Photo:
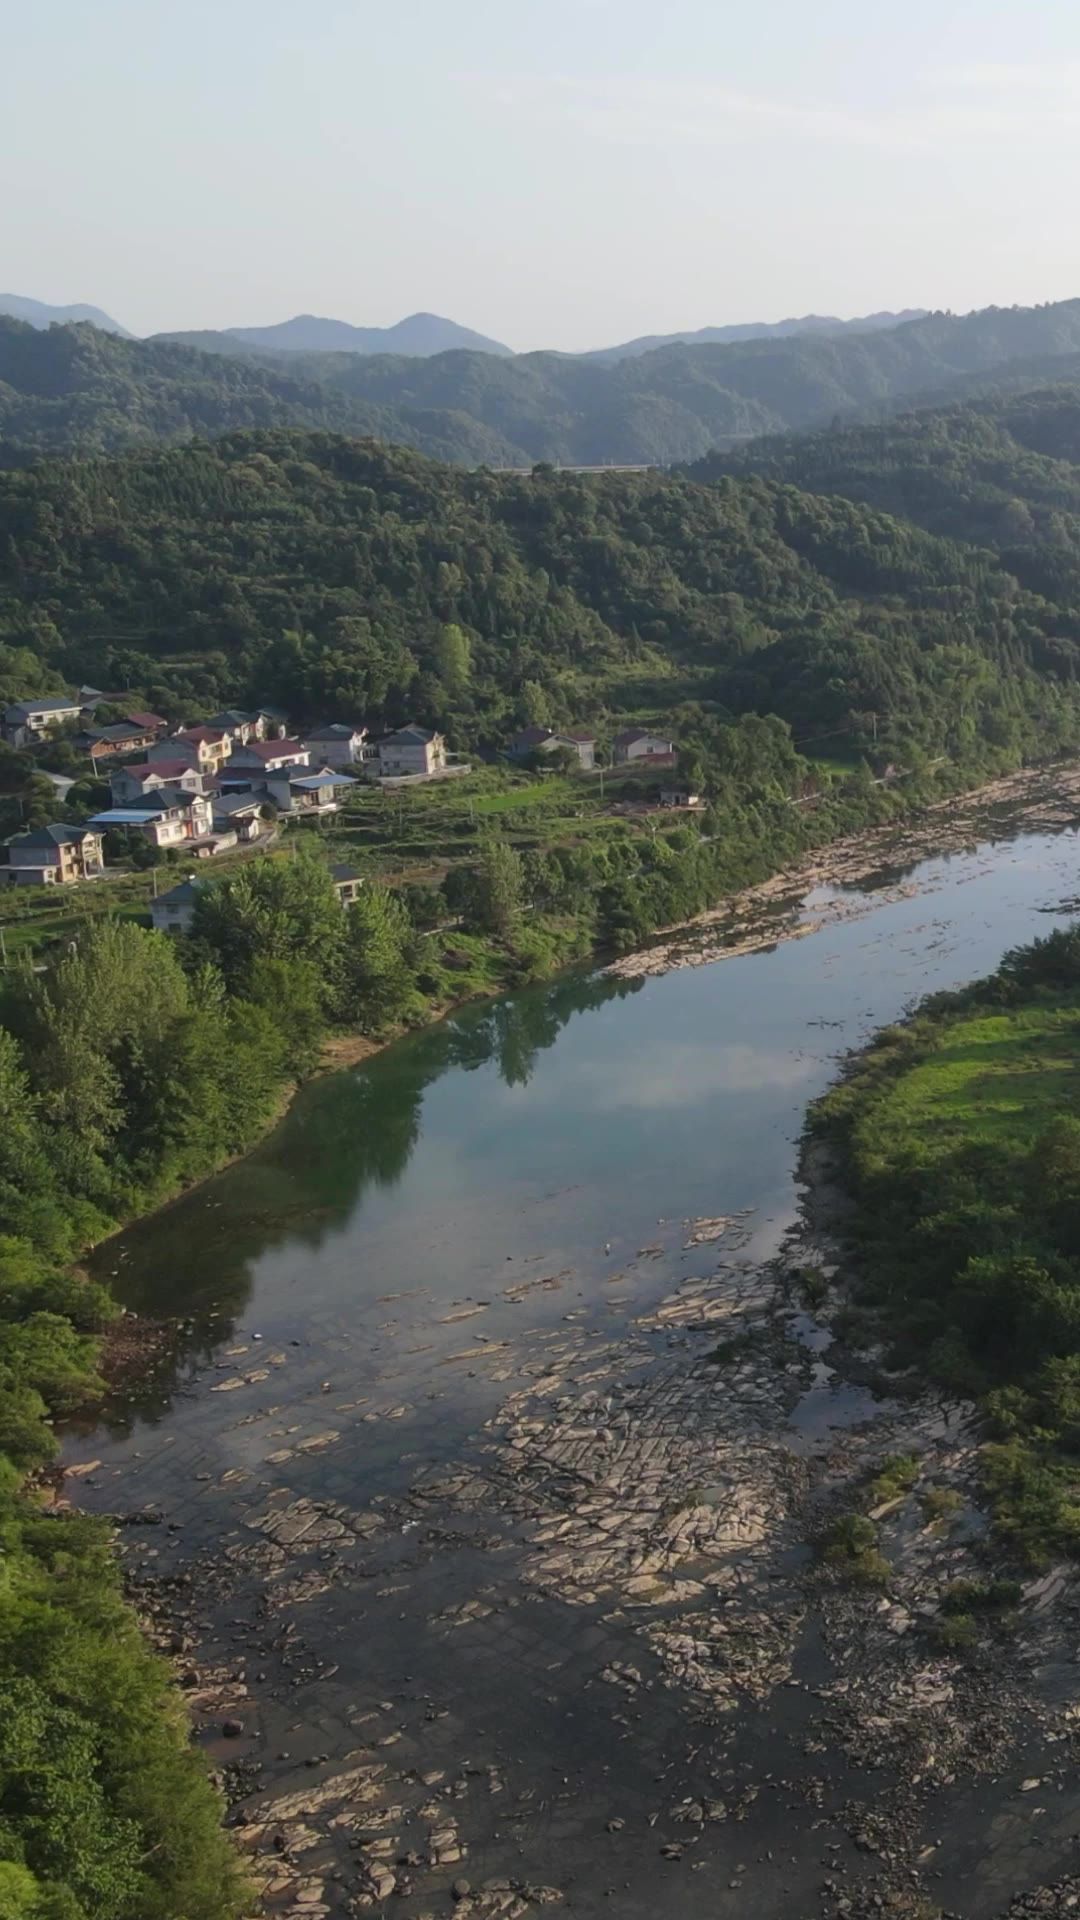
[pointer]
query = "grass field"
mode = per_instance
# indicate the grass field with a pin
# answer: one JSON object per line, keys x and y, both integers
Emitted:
{"x": 1000, "y": 1078}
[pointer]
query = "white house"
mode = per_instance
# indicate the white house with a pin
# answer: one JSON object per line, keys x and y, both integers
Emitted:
{"x": 166, "y": 818}
{"x": 28, "y": 720}
{"x": 295, "y": 791}
{"x": 205, "y": 747}
{"x": 638, "y": 746}
{"x": 242, "y": 813}
{"x": 541, "y": 741}
{"x": 174, "y": 911}
{"x": 269, "y": 756}
{"x": 129, "y": 785}
{"x": 338, "y": 745}
{"x": 412, "y": 750}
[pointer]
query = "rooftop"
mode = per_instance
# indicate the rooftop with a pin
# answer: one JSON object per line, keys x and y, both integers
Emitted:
{"x": 270, "y": 749}
{"x": 53, "y": 703}
{"x": 630, "y": 734}
{"x": 54, "y": 836}
{"x": 411, "y": 734}
{"x": 186, "y": 892}
{"x": 160, "y": 770}
{"x": 336, "y": 730}
{"x": 326, "y": 777}
{"x": 213, "y": 736}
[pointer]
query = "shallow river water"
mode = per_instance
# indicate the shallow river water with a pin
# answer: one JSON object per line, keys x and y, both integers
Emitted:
{"x": 377, "y": 1469}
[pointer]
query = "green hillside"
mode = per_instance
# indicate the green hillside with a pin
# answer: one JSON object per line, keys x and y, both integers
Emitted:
{"x": 323, "y": 572}
{"x": 1002, "y": 472}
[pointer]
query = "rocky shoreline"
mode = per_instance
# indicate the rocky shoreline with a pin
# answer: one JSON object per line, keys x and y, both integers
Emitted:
{"x": 1037, "y": 799}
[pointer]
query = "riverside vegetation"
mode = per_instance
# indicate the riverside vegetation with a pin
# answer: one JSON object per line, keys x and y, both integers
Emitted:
{"x": 957, "y": 1137}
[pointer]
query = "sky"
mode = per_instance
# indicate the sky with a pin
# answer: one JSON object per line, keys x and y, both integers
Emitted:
{"x": 555, "y": 173}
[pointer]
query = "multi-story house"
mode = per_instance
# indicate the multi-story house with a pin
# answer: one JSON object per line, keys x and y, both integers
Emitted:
{"x": 55, "y": 856}
{"x": 411, "y": 750}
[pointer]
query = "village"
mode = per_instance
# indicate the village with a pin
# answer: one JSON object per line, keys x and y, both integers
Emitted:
{"x": 235, "y": 781}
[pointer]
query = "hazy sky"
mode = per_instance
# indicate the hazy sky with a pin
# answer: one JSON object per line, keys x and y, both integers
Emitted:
{"x": 559, "y": 173}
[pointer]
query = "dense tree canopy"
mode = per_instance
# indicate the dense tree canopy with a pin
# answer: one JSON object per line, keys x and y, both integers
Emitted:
{"x": 350, "y": 581}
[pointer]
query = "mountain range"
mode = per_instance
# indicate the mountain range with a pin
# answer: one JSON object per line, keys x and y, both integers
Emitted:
{"x": 77, "y": 388}
{"x": 422, "y": 335}
{"x": 755, "y": 330}
{"x": 419, "y": 336}
{"x": 37, "y": 313}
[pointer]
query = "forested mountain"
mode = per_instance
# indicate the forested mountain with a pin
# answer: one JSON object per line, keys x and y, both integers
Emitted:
{"x": 78, "y": 389}
{"x": 322, "y": 573}
{"x": 420, "y": 334}
{"x": 37, "y": 313}
{"x": 755, "y": 330}
{"x": 1003, "y": 473}
{"x": 85, "y": 390}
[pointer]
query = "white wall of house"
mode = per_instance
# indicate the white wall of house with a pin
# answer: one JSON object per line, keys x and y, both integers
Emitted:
{"x": 644, "y": 749}
{"x": 400, "y": 757}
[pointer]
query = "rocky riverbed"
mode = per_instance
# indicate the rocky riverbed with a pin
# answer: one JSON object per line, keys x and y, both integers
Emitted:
{"x": 597, "y": 1662}
{"x": 822, "y": 890}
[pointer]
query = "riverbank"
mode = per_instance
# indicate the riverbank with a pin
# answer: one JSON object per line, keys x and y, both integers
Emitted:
{"x": 1037, "y": 799}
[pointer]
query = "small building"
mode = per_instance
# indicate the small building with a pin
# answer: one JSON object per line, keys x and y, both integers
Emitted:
{"x": 243, "y": 813}
{"x": 338, "y": 745}
{"x": 295, "y": 792}
{"x": 269, "y": 756}
{"x": 173, "y": 912}
{"x": 113, "y": 742}
{"x": 581, "y": 742}
{"x": 150, "y": 723}
{"x": 55, "y": 856}
{"x": 538, "y": 742}
{"x": 166, "y": 817}
{"x": 28, "y": 720}
{"x": 240, "y": 724}
{"x": 205, "y": 747}
{"x": 129, "y": 784}
{"x": 347, "y": 883}
{"x": 680, "y": 797}
{"x": 61, "y": 783}
{"x": 638, "y": 746}
{"x": 411, "y": 750}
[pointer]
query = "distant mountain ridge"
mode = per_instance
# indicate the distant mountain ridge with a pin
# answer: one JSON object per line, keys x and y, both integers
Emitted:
{"x": 419, "y": 336}
{"x": 757, "y": 330}
{"x": 37, "y": 313}
{"x": 76, "y": 388}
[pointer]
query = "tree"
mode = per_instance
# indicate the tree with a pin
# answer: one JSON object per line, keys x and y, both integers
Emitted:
{"x": 272, "y": 909}
{"x": 378, "y": 981}
{"x": 500, "y": 886}
{"x": 453, "y": 659}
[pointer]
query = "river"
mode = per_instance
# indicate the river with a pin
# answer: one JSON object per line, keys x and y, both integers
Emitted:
{"x": 460, "y": 1513}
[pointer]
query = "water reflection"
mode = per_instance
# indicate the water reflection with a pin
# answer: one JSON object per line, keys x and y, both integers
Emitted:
{"x": 346, "y": 1137}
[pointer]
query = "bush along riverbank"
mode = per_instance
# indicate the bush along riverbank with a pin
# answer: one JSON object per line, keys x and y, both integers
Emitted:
{"x": 956, "y": 1137}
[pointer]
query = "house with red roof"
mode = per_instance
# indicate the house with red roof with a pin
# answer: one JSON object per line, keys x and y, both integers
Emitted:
{"x": 129, "y": 784}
